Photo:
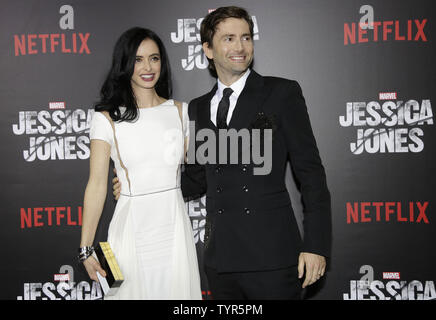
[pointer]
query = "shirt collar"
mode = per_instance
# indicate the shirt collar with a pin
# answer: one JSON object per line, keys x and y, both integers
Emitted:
{"x": 237, "y": 86}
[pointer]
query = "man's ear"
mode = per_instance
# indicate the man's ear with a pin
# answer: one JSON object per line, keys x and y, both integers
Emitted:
{"x": 207, "y": 50}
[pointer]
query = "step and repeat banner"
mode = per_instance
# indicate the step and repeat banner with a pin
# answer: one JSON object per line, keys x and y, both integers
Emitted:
{"x": 367, "y": 70}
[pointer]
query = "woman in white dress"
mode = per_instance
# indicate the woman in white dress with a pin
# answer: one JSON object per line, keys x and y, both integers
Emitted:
{"x": 144, "y": 132}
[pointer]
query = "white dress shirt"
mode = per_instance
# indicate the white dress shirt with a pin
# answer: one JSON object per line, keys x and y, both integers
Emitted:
{"x": 237, "y": 88}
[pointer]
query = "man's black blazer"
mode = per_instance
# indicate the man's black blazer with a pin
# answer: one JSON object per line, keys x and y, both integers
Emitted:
{"x": 250, "y": 217}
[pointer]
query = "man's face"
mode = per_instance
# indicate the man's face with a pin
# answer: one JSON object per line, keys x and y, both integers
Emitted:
{"x": 232, "y": 48}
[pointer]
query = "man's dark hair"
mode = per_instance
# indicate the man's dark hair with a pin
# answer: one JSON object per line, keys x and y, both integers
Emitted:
{"x": 211, "y": 21}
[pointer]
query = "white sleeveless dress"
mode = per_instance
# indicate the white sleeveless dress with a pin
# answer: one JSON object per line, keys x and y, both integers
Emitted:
{"x": 150, "y": 232}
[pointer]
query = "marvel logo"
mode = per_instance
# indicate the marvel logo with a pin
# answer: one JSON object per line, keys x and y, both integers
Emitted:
{"x": 62, "y": 277}
{"x": 391, "y": 275}
{"x": 387, "y": 96}
{"x": 56, "y": 105}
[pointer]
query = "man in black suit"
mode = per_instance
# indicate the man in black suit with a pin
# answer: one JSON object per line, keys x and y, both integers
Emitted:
{"x": 253, "y": 248}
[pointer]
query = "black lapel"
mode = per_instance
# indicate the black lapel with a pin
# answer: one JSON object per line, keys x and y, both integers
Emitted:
{"x": 204, "y": 109}
{"x": 249, "y": 102}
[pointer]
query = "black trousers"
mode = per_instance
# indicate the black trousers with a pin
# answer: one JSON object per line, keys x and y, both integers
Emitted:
{"x": 280, "y": 284}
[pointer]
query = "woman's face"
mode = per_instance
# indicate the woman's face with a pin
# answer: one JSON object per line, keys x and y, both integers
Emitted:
{"x": 147, "y": 65}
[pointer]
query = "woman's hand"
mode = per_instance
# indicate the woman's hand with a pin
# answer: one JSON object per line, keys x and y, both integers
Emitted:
{"x": 92, "y": 266}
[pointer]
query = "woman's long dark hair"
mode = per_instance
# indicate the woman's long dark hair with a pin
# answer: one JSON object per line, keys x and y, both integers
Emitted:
{"x": 117, "y": 89}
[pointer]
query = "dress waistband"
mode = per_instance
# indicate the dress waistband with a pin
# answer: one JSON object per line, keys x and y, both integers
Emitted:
{"x": 145, "y": 194}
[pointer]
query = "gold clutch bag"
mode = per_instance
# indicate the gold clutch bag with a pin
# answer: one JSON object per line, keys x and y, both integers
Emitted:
{"x": 114, "y": 278}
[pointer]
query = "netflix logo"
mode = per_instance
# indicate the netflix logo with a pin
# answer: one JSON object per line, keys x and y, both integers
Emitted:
{"x": 373, "y": 212}
{"x": 64, "y": 42}
{"x": 410, "y": 30}
{"x": 368, "y": 29}
{"x": 51, "y": 43}
{"x": 50, "y": 217}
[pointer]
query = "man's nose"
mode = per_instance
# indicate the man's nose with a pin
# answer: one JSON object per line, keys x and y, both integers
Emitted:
{"x": 238, "y": 45}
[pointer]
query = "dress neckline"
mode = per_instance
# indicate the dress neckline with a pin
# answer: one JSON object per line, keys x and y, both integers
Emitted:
{"x": 166, "y": 102}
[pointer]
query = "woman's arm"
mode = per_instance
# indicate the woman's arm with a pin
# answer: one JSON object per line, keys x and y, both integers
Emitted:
{"x": 94, "y": 199}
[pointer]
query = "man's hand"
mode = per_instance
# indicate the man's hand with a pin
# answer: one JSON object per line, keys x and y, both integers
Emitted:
{"x": 315, "y": 267}
{"x": 116, "y": 186}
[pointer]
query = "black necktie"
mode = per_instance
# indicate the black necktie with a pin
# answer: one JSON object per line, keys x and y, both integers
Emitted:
{"x": 223, "y": 109}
